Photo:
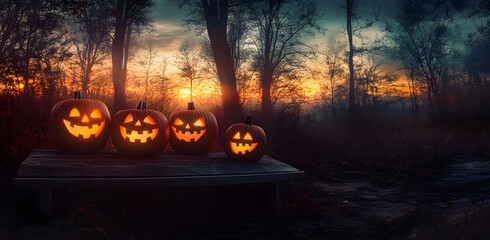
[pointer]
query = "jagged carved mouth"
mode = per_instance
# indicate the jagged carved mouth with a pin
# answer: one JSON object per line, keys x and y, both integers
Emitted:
{"x": 242, "y": 148}
{"x": 139, "y": 136}
{"x": 84, "y": 131}
{"x": 188, "y": 135}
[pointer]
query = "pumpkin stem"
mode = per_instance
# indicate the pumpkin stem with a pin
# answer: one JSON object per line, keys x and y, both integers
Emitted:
{"x": 190, "y": 106}
{"x": 79, "y": 95}
{"x": 248, "y": 121}
{"x": 141, "y": 105}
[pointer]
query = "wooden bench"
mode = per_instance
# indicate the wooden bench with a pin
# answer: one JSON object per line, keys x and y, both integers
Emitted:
{"x": 48, "y": 169}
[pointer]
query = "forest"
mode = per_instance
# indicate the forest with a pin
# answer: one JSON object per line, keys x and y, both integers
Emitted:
{"x": 384, "y": 91}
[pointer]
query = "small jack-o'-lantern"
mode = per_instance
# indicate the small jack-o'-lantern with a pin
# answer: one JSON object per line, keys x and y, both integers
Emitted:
{"x": 139, "y": 131}
{"x": 79, "y": 125}
{"x": 193, "y": 131}
{"x": 245, "y": 142}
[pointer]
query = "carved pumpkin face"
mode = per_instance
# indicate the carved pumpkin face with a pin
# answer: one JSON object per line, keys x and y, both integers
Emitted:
{"x": 139, "y": 131}
{"x": 245, "y": 142}
{"x": 79, "y": 125}
{"x": 193, "y": 131}
{"x": 84, "y": 125}
{"x": 241, "y": 145}
{"x": 188, "y": 132}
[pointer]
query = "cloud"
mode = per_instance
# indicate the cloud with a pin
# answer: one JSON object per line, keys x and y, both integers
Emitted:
{"x": 168, "y": 36}
{"x": 168, "y": 10}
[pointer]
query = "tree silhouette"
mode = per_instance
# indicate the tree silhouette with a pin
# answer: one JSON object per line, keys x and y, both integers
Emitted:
{"x": 187, "y": 63}
{"x": 333, "y": 64}
{"x": 128, "y": 13}
{"x": 216, "y": 17}
{"x": 147, "y": 61}
{"x": 352, "y": 102}
{"x": 91, "y": 40}
{"x": 279, "y": 26}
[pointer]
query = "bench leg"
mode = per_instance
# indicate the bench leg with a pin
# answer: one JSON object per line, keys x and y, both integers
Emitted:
{"x": 276, "y": 200}
{"x": 279, "y": 198}
{"x": 46, "y": 202}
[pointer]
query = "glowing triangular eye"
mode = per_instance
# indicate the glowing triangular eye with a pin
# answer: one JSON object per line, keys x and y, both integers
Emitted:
{"x": 149, "y": 120}
{"x": 129, "y": 118}
{"x": 237, "y": 136}
{"x": 199, "y": 123}
{"x": 248, "y": 137}
{"x": 96, "y": 114}
{"x": 74, "y": 113}
{"x": 178, "y": 122}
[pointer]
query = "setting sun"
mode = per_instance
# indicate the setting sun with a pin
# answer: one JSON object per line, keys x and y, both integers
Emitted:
{"x": 184, "y": 94}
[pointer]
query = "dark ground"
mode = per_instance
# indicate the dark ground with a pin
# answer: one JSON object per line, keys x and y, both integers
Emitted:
{"x": 452, "y": 205}
{"x": 386, "y": 180}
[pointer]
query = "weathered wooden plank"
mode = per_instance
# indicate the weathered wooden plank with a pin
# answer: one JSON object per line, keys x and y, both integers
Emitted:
{"x": 155, "y": 182}
{"x": 110, "y": 164}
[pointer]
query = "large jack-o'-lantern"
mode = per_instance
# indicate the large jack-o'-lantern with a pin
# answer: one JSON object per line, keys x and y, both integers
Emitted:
{"x": 245, "y": 142}
{"x": 193, "y": 131}
{"x": 79, "y": 125}
{"x": 139, "y": 131}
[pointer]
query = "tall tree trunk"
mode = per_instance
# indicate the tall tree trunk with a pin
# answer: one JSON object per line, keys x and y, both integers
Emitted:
{"x": 117, "y": 57}
{"x": 126, "y": 53}
{"x": 413, "y": 96}
{"x": 86, "y": 78}
{"x": 216, "y": 15}
{"x": 332, "y": 100}
{"x": 266, "y": 103}
{"x": 266, "y": 78}
{"x": 352, "y": 104}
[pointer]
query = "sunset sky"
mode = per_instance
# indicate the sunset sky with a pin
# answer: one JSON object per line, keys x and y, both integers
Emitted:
{"x": 169, "y": 33}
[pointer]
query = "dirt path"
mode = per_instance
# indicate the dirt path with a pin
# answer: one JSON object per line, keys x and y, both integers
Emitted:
{"x": 372, "y": 209}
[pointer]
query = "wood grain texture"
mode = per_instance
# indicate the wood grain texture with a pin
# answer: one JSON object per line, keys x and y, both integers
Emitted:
{"x": 49, "y": 168}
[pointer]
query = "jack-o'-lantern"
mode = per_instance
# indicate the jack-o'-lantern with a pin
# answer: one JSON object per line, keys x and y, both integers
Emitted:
{"x": 139, "y": 131}
{"x": 193, "y": 131}
{"x": 245, "y": 142}
{"x": 79, "y": 125}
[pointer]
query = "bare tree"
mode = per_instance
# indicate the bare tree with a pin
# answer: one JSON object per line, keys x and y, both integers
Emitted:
{"x": 91, "y": 40}
{"x": 424, "y": 49}
{"x": 349, "y": 8}
{"x": 33, "y": 48}
{"x": 147, "y": 60}
{"x": 423, "y": 43}
{"x": 188, "y": 64}
{"x": 166, "y": 89}
{"x": 238, "y": 27}
{"x": 31, "y": 32}
{"x": 279, "y": 27}
{"x": 216, "y": 17}
{"x": 129, "y": 13}
{"x": 333, "y": 59}
{"x": 415, "y": 89}
{"x": 238, "y": 30}
{"x": 477, "y": 62}
{"x": 372, "y": 80}
{"x": 355, "y": 25}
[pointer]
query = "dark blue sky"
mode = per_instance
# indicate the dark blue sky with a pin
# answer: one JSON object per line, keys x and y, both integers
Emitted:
{"x": 170, "y": 31}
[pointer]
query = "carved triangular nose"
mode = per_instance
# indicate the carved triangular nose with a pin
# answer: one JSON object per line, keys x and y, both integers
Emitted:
{"x": 187, "y": 126}
{"x": 85, "y": 119}
{"x": 138, "y": 123}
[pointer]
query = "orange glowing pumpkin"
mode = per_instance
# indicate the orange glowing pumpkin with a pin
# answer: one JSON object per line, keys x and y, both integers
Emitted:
{"x": 139, "y": 131}
{"x": 245, "y": 142}
{"x": 79, "y": 125}
{"x": 193, "y": 131}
